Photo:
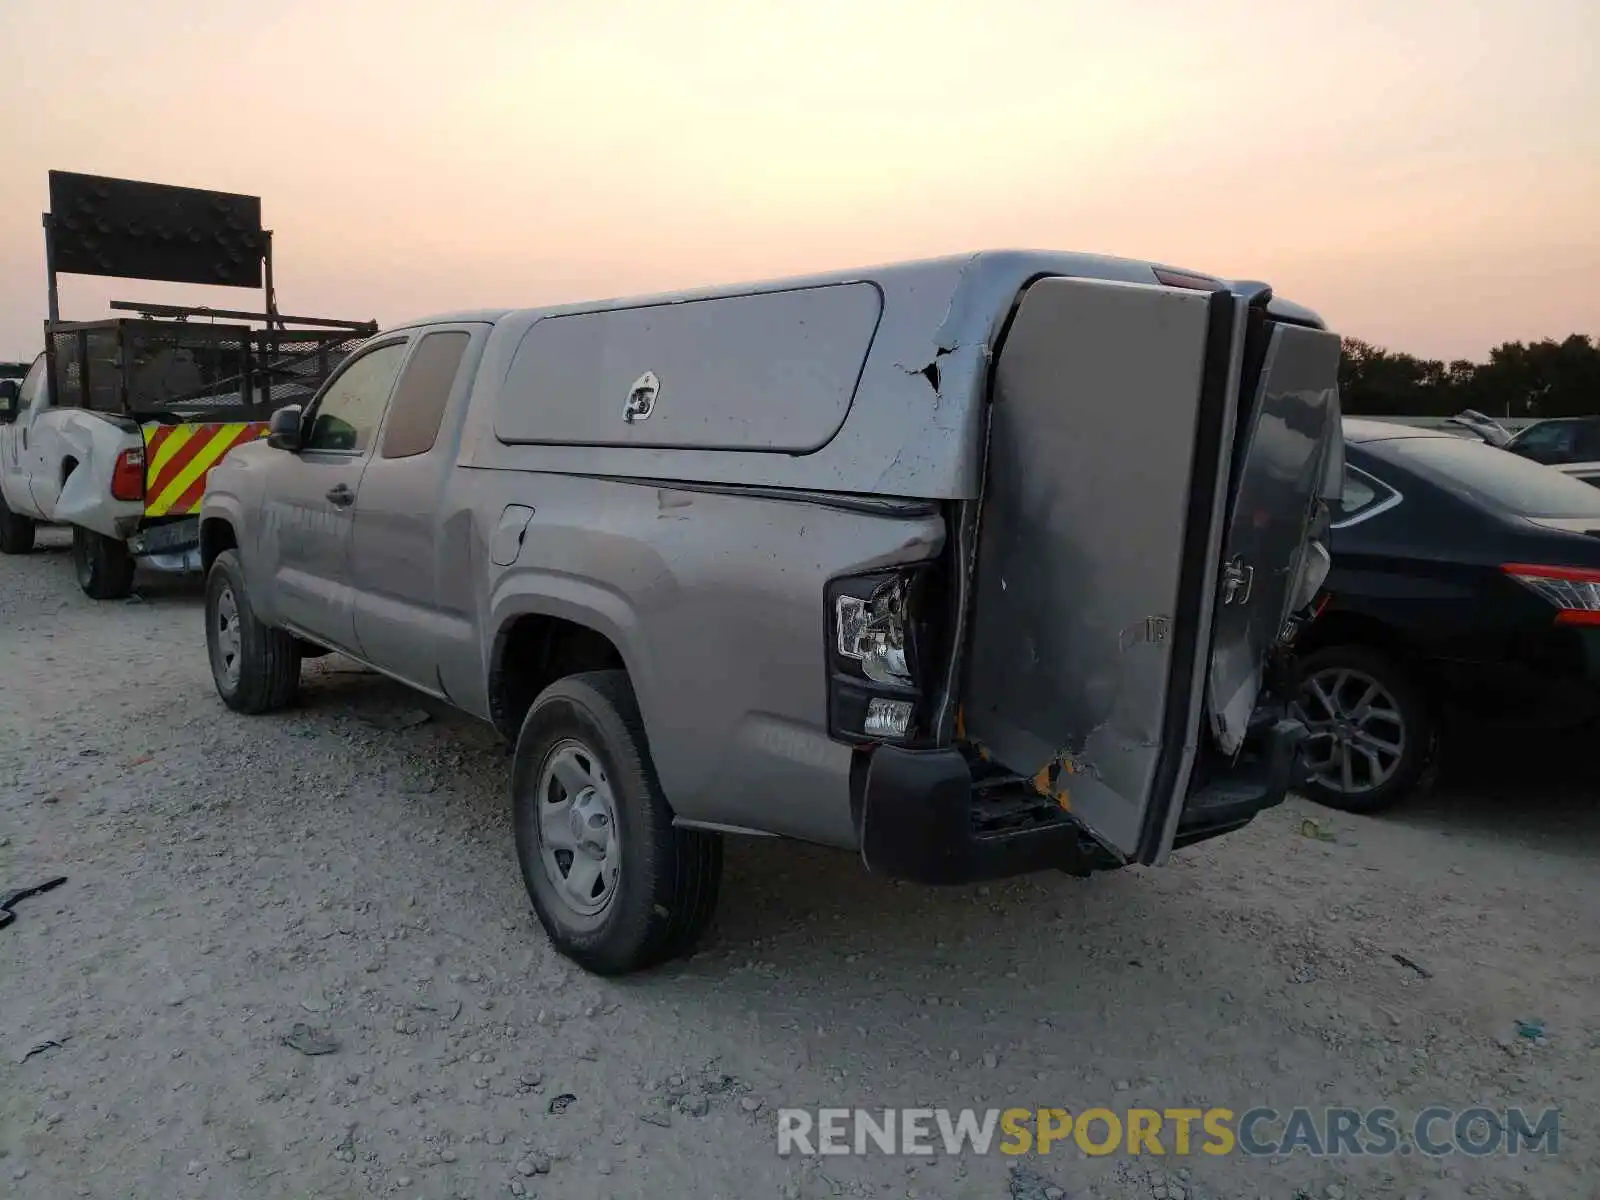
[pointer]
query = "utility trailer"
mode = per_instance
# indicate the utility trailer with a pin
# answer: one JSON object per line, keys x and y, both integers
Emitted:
{"x": 114, "y": 429}
{"x": 121, "y": 420}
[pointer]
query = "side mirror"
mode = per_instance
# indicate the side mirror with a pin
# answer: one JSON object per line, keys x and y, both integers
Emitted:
{"x": 10, "y": 389}
{"x": 283, "y": 433}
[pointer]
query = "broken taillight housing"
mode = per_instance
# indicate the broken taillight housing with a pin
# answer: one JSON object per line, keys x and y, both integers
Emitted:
{"x": 871, "y": 630}
{"x": 877, "y": 643}
{"x": 127, "y": 476}
{"x": 1575, "y": 591}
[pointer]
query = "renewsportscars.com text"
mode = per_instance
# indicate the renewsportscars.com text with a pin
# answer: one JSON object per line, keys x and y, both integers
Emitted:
{"x": 1326, "y": 1132}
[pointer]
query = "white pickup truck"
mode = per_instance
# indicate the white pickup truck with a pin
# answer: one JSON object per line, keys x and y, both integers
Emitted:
{"x": 130, "y": 490}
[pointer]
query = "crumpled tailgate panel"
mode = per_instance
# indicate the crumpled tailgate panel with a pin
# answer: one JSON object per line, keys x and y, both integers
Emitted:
{"x": 1086, "y": 529}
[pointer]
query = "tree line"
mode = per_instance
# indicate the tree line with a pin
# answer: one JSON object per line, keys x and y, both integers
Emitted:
{"x": 1536, "y": 379}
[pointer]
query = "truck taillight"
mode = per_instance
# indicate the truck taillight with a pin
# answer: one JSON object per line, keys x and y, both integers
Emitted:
{"x": 878, "y": 645}
{"x": 127, "y": 477}
{"x": 1575, "y": 591}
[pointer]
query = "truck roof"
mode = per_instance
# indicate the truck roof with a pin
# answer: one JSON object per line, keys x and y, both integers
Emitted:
{"x": 1004, "y": 262}
{"x": 486, "y": 316}
{"x": 887, "y": 376}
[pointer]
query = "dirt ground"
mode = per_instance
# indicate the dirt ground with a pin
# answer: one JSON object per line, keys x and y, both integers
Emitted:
{"x": 348, "y": 867}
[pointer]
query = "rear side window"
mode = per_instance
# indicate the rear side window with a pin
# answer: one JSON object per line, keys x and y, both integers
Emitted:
{"x": 765, "y": 372}
{"x": 1495, "y": 479}
{"x": 1586, "y": 444}
{"x": 1551, "y": 441}
{"x": 1363, "y": 496}
{"x": 423, "y": 391}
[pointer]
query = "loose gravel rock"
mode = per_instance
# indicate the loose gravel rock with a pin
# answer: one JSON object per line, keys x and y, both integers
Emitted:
{"x": 348, "y": 867}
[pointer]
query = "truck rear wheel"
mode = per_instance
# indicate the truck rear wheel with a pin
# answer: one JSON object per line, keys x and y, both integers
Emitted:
{"x": 103, "y": 565}
{"x": 255, "y": 667}
{"x": 615, "y": 885}
{"x": 16, "y": 530}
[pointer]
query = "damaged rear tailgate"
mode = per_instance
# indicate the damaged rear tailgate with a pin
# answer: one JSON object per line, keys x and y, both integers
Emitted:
{"x": 1107, "y": 506}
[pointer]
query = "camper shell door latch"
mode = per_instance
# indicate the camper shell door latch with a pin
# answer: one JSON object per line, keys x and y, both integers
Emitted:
{"x": 1238, "y": 577}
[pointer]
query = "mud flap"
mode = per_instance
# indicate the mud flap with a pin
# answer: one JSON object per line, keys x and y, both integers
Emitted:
{"x": 1099, "y": 546}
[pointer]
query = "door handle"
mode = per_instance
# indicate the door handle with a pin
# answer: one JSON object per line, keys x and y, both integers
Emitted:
{"x": 341, "y": 495}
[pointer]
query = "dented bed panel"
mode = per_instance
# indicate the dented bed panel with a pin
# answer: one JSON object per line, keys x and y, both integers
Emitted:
{"x": 714, "y": 601}
{"x": 1282, "y": 474}
{"x": 1084, "y": 526}
{"x": 92, "y": 441}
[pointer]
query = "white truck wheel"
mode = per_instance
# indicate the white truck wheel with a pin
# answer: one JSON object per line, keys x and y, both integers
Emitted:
{"x": 103, "y": 565}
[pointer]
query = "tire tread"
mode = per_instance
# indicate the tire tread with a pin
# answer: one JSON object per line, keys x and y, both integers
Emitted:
{"x": 683, "y": 867}
{"x": 269, "y": 676}
{"x": 111, "y": 567}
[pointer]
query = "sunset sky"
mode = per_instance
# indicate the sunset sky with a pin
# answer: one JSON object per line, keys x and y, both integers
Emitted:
{"x": 1425, "y": 174}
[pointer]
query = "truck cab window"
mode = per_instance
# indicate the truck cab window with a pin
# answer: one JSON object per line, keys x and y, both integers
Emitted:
{"x": 349, "y": 412}
{"x": 423, "y": 391}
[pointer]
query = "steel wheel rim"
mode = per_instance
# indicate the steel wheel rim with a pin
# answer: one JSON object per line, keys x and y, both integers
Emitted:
{"x": 1357, "y": 733}
{"x": 229, "y": 642}
{"x": 580, "y": 846}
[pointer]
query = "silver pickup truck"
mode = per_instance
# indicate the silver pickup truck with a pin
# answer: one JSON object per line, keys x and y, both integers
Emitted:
{"x": 975, "y": 566}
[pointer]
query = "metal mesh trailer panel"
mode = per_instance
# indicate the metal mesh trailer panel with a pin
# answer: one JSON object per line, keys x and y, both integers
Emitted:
{"x": 172, "y": 370}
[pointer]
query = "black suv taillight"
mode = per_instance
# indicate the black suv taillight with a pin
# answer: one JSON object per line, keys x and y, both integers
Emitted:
{"x": 881, "y": 649}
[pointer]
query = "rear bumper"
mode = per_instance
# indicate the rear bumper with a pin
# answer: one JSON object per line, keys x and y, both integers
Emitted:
{"x": 169, "y": 537}
{"x": 925, "y": 819}
{"x": 1225, "y": 796}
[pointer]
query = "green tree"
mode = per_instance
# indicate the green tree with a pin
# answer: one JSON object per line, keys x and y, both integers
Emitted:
{"x": 1539, "y": 379}
{"x": 1378, "y": 382}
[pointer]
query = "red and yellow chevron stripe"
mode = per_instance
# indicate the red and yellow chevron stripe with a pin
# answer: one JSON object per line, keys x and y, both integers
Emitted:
{"x": 177, "y": 458}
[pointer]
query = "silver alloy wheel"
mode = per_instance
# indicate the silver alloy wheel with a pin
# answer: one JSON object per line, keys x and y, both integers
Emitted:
{"x": 1357, "y": 734}
{"x": 579, "y": 842}
{"x": 230, "y": 644}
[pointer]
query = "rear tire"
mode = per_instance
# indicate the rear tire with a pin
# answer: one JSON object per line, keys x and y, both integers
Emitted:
{"x": 102, "y": 564}
{"x": 1372, "y": 732}
{"x": 16, "y": 530}
{"x": 255, "y": 667}
{"x": 615, "y": 885}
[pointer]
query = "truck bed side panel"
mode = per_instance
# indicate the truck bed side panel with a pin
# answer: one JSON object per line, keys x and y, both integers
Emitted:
{"x": 716, "y": 603}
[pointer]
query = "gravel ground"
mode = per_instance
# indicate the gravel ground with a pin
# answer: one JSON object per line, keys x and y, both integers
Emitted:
{"x": 347, "y": 867}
